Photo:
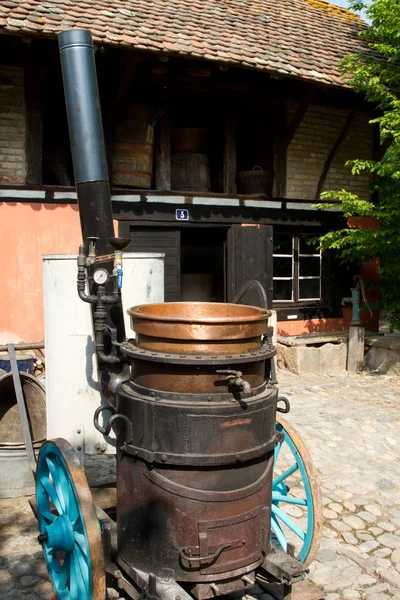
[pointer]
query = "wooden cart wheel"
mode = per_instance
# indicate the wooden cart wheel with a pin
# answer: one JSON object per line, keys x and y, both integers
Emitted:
{"x": 296, "y": 511}
{"x": 68, "y": 525}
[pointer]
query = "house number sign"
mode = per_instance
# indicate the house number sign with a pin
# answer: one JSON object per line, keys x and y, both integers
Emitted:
{"x": 182, "y": 214}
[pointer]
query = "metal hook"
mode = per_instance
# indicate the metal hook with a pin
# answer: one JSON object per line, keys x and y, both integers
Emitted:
{"x": 107, "y": 428}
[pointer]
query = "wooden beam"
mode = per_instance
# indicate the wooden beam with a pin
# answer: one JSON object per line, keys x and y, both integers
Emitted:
{"x": 280, "y": 150}
{"x": 163, "y": 153}
{"x": 229, "y": 150}
{"x": 382, "y": 149}
{"x": 299, "y": 114}
{"x": 33, "y": 86}
{"x": 342, "y": 135}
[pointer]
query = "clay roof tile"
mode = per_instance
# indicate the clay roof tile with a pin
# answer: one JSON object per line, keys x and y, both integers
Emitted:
{"x": 302, "y": 38}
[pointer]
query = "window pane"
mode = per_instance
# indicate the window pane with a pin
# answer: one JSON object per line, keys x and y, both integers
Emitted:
{"x": 283, "y": 243}
{"x": 308, "y": 289}
{"x": 282, "y": 267}
{"x": 283, "y": 289}
{"x": 305, "y": 247}
{"x": 309, "y": 265}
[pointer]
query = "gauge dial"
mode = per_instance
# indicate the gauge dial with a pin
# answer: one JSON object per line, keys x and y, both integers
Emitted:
{"x": 100, "y": 276}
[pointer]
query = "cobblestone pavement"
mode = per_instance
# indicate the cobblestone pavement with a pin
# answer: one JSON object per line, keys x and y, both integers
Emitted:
{"x": 351, "y": 426}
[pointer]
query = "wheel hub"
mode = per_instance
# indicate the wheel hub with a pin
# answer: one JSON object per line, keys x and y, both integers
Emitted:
{"x": 59, "y": 535}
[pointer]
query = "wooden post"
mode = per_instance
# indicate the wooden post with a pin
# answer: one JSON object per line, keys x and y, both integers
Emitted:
{"x": 163, "y": 153}
{"x": 299, "y": 114}
{"x": 355, "y": 351}
{"x": 33, "y": 83}
{"x": 229, "y": 151}
{"x": 280, "y": 150}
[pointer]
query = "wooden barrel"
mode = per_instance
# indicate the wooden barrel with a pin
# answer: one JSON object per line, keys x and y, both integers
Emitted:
{"x": 190, "y": 172}
{"x": 132, "y": 162}
{"x": 188, "y": 139}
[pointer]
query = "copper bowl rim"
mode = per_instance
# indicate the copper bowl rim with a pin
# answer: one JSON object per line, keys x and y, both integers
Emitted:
{"x": 263, "y": 315}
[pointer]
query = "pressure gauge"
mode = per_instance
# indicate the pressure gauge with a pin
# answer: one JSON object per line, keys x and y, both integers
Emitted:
{"x": 100, "y": 276}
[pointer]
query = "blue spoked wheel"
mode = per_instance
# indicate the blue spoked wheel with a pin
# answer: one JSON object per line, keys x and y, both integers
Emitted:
{"x": 296, "y": 511}
{"x": 68, "y": 524}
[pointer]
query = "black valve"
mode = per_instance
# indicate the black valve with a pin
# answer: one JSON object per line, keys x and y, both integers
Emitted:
{"x": 42, "y": 537}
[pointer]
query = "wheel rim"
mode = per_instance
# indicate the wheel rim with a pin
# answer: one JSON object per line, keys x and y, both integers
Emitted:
{"x": 68, "y": 525}
{"x": 296, "y": 510}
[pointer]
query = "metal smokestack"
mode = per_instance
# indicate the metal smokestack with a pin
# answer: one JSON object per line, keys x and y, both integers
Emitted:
{"x": 86, "y": 136}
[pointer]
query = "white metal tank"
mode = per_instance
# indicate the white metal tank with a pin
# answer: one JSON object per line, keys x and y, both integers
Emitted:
{"x": 72, "y": 390}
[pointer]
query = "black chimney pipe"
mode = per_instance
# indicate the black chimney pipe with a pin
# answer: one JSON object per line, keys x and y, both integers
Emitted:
{"x": 89, "y": 157}
{"x": 86, "y": 136}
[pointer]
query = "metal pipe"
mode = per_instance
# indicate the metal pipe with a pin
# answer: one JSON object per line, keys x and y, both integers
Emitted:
{"x": 86, "y": 136}
{"x": 27, "y": 346}
{"x": 26, "y": 430}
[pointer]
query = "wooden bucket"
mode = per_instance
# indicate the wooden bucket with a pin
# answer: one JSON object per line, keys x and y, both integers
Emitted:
{"x": 190, "y": 172}
{"x": 132, "y": 161}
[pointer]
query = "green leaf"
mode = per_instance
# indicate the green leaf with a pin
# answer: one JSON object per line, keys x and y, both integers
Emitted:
{"x": 376, "y": 74}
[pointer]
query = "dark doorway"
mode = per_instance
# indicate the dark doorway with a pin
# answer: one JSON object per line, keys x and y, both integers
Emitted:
{"x": 203, "y": 264}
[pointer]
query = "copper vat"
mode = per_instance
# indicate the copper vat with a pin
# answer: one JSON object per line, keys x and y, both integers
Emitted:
{"x": 199, "y": 327}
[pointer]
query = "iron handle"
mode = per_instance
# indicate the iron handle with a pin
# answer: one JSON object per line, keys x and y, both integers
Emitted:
{"x": 286, "y": 402}
{"x": 253, "y": 283}
{"x": 234, "y": 378}
{"x": 186, "y": 555}
{"x": 107, "y": 428}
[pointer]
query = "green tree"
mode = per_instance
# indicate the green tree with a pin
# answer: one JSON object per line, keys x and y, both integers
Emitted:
{"x": 376, "y": 73}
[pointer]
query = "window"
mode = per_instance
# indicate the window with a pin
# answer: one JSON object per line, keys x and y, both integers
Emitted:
{"x": 297, "y": 268}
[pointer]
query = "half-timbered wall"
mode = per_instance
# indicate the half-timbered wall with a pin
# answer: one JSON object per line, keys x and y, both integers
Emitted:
{"x": 12, "y": 125}
{"x": 322, "y": 131}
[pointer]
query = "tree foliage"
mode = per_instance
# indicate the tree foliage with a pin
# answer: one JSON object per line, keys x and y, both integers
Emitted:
{"x": 376, "y": 73}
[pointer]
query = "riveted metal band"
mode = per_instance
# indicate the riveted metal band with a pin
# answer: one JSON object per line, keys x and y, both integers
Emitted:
{"x": 266, "y": 352}
{"x": 203, "y": 460}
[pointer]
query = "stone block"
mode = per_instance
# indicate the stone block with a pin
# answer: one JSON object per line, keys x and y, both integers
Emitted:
{"x": 324, "y": 358}
{"x": 384, "y": 360}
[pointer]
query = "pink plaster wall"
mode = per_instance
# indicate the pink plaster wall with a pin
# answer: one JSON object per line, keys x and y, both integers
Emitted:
{"x": 313, "y": 326}
{"x": 27, "y": 231}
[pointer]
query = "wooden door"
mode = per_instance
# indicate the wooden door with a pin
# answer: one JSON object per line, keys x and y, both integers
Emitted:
{"x": 249, "y": 257}
{"x": 168, "y": 241}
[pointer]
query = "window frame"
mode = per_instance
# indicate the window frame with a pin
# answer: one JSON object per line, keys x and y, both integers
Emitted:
{"x": 296, "y": 255}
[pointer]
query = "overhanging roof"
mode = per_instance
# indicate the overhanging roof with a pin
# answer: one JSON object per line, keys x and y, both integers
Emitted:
{"x": 296, "y": 38}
